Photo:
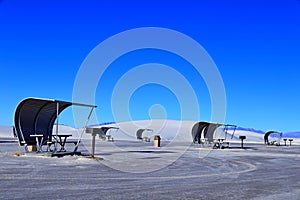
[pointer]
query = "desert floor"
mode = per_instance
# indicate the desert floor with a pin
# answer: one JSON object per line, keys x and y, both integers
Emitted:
{"x": 138, "y": 170}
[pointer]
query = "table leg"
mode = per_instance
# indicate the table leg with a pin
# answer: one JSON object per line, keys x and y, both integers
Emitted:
{"x": 62, "y": 142}
{"x": 39, "y": 144}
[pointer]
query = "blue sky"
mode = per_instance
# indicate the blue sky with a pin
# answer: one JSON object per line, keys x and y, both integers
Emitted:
{"x": 255, "y": 45}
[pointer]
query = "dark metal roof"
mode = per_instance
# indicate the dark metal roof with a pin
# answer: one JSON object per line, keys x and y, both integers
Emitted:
{"x": 267, "y": 134}
{"x": 104, "y": 130}
{"x": 139, "y": 133}
{"x": 197, "y": 130}
{"x": 37, "y": 116}
{"x": 207, "y": 129}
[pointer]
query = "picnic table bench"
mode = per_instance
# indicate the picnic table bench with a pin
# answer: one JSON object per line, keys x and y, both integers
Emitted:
{"x": 61, "y": 139}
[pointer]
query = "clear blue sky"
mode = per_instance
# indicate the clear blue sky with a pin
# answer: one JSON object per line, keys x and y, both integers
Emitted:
{"x": 255, "y": 45}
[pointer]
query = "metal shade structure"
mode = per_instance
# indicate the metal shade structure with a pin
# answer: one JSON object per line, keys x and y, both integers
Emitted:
{"x": 197, "y": 131}
{"x": 267, "y": 134}
{"x": 104, "y": 130}
{"x": 139, "y": 133}
{"x": 37, "y": 116}
{"x": 206, "y": 130}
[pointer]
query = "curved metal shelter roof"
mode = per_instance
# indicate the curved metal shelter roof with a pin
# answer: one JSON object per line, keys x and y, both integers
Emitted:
{"x": 105, "y": 129}
{"x": 267, "y": 134}
{"x": 139, "y": 133}
{"x": 205, "y": 130}
{"x": 197, "y": 131}
{"x": 37, "y": 116}
{"x": 209, "y": 131}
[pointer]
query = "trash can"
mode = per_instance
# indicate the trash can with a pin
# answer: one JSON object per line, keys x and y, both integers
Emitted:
{"x": 156, "y": 141}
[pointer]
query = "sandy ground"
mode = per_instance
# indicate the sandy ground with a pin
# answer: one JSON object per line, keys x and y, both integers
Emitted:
{"x": 137, "y": 170}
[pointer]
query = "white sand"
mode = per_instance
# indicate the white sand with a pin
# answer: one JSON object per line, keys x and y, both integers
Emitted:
{"x": 6, "y": 132}
{"x": 167, "y": 129}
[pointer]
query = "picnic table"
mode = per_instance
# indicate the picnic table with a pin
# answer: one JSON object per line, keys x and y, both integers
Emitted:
{"x": 62, "y": 140}
{"x": 220, "y": 143}
{"x": 39, "y": 141}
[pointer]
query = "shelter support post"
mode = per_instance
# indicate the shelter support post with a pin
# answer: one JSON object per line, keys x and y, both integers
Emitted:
{"x": 86, "y": 123}
{"x": 57, "y": 114}
{"x": 93, "y": 144}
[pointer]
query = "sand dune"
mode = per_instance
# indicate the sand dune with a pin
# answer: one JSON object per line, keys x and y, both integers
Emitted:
{"x": 166, "y": 129}
{"x": 6, "y": 132}
{"x": 173, "y": 129}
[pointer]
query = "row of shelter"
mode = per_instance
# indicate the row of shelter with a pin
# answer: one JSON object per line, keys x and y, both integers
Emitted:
{"x": 35, "y": 118}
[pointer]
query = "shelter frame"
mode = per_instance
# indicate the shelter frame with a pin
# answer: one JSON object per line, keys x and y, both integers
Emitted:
{"x": 35, "y": 116}
{"x": 206, "y": 130}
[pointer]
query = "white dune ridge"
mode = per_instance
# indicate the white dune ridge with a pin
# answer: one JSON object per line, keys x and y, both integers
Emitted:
{"x": 176, "y": 139}
{"x": 177, "y": 130}
{"x": 6, "y": 132}
{"x": 168, "y": 130}
{"x": 127, "y": 154}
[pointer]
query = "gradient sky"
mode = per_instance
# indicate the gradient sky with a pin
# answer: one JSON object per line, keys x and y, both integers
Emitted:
{"x": 255, "y": 45}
